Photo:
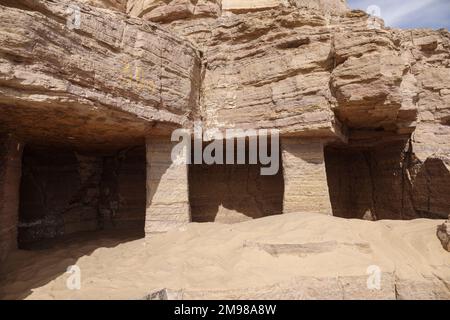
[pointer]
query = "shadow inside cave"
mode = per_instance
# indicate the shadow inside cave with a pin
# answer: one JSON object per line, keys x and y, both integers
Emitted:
{"x": 230, "y": 193}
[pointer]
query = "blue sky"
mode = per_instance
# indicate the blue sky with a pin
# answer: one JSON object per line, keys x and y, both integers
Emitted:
{"x": 433, "y": 14}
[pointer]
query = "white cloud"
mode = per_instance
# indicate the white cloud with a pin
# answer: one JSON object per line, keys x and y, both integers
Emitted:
{"x": 398, "y": 13}
{"x": 409, "y": 13}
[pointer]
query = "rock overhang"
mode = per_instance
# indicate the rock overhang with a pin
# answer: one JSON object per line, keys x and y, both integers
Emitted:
{"x": 109, "y": 79}
{"x": 311, "y": 69}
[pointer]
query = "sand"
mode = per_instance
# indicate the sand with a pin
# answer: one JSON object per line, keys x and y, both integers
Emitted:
{"x": 211, "y": 260}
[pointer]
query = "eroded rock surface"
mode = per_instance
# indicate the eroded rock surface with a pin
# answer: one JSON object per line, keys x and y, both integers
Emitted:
{"x": 443, "y": 233}
{"x": 341, "y": 76}
{"x": 105, "y": 81}
{"x": 363, "y": 111}
{"x": 167, "y": 11}
{"x": 10, "y": 175}
{"x": 119, "y": 5}
{"x": 308, "y": 68}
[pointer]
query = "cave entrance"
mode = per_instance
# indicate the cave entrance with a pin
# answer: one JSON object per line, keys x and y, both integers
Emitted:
{"x": 369, "y": 182}
{"x": 231, "y": 193}
{"x": 64, "y": 192}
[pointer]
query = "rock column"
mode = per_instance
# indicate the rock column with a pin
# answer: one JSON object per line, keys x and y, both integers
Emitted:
{"x": 167, "y": 188}
{"x": 305, "y": 179}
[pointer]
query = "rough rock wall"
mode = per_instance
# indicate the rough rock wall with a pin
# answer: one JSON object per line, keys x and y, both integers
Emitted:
{"x": 326, "y": 6}
{"x": 306, "y": 187}
{"x": 171, "y": 10}
{"x": 361, "y": 84}
{"x": 386, "y": 181}
{"x": 369, "y": 182}
{"x": 443, "y": 233}
{"x": 309, "y": 68}
{"x": 132, "y": 178}
{"x": 49, "y": 183}
{"x": 349, "y": 181}
{"x": 429, "y": 185}
{"x": 167, "y": 11}
{"x": 10, "y": 173}
{"x": 428, "y": 54}
{"x": 167, "y": 188}
{"x": 119, "y": 5}
{"x": 63, "y": 192}
{"x": 366, "y": 79}
{"x": 305, "y": 71}
{"x": 265, "y": 69}
{"x": 281, "y": 63}
{"x": 233, "y": 193}
{"x": 112, "y": 76}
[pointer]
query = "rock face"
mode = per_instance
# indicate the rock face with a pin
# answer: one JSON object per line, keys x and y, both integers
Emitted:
{"x": 104, "y": 81}
{"x": 443, "y": 233}
{"x": 305, "y": 177}
{"x": 376, "y": 94}
{"x": 67, "y": 192}
{"x": 167, "y": 189}
{"x": 169, "y": 11}
{"x": 119, "y": 5}
{"x": 259, "y": 71}
{"x": 230, "y": 194}
{"x": 363, "y": 112}
{"x": 166, "y": 11}
{"x": 10, "y": 173}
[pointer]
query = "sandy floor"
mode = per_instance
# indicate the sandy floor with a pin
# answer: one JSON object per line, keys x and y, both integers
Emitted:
{"x": 224, "y": 257}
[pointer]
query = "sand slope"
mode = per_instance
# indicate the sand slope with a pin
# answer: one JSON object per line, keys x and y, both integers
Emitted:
{"x": 292, "y": 256}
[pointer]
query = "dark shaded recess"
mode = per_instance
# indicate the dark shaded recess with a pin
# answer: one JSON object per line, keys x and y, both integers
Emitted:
{"x": 63, "y": 192}
{"x": 386, "y": 181}
{"x": 237, "y": 187}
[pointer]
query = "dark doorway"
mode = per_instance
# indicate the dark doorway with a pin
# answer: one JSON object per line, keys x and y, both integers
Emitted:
{"x": 230, "y": 193}
{"x": 370, "y": 182}
{"x": 63, "y": 192}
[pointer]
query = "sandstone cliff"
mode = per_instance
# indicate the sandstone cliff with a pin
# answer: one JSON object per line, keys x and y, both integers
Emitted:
{"x": 312, "y": 69}
{"x": 317, "y": 69}
{"x": 91, "y": 90}
{"x": 111, "y": 78}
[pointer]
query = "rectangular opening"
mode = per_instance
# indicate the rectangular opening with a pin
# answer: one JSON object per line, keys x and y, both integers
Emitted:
{"x": 231, "y": 193}
{"x": 64, "y": 192}
{"x": 370, "y": 182}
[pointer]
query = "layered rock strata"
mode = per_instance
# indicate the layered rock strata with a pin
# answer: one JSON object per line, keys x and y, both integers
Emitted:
{"x": 94, "y": 78}
{"x": 336, "y": 82}
{"x": 167, "y": 188}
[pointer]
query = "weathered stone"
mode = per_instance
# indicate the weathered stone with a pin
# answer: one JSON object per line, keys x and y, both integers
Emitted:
{"x": 10, "y": 173}
{"x": 319, "y": 288}
{"x": 239, "y": 6}
{"x": 245, "y": 6}
{"x": 259, "y": 72}
{"x": 167, "y": 188}
{"x": 164, "y": 294}
{"x": 64, "y": 192}
{"x": 100, "y": 84}
{"x": 120, "y": 5}
{"x": 363, "y": 112}
{"x": 306, "y": 188}
{"x": 167, "y": 11}
{"x": 300, "y": 288}
{"x": 443, "y": 233}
